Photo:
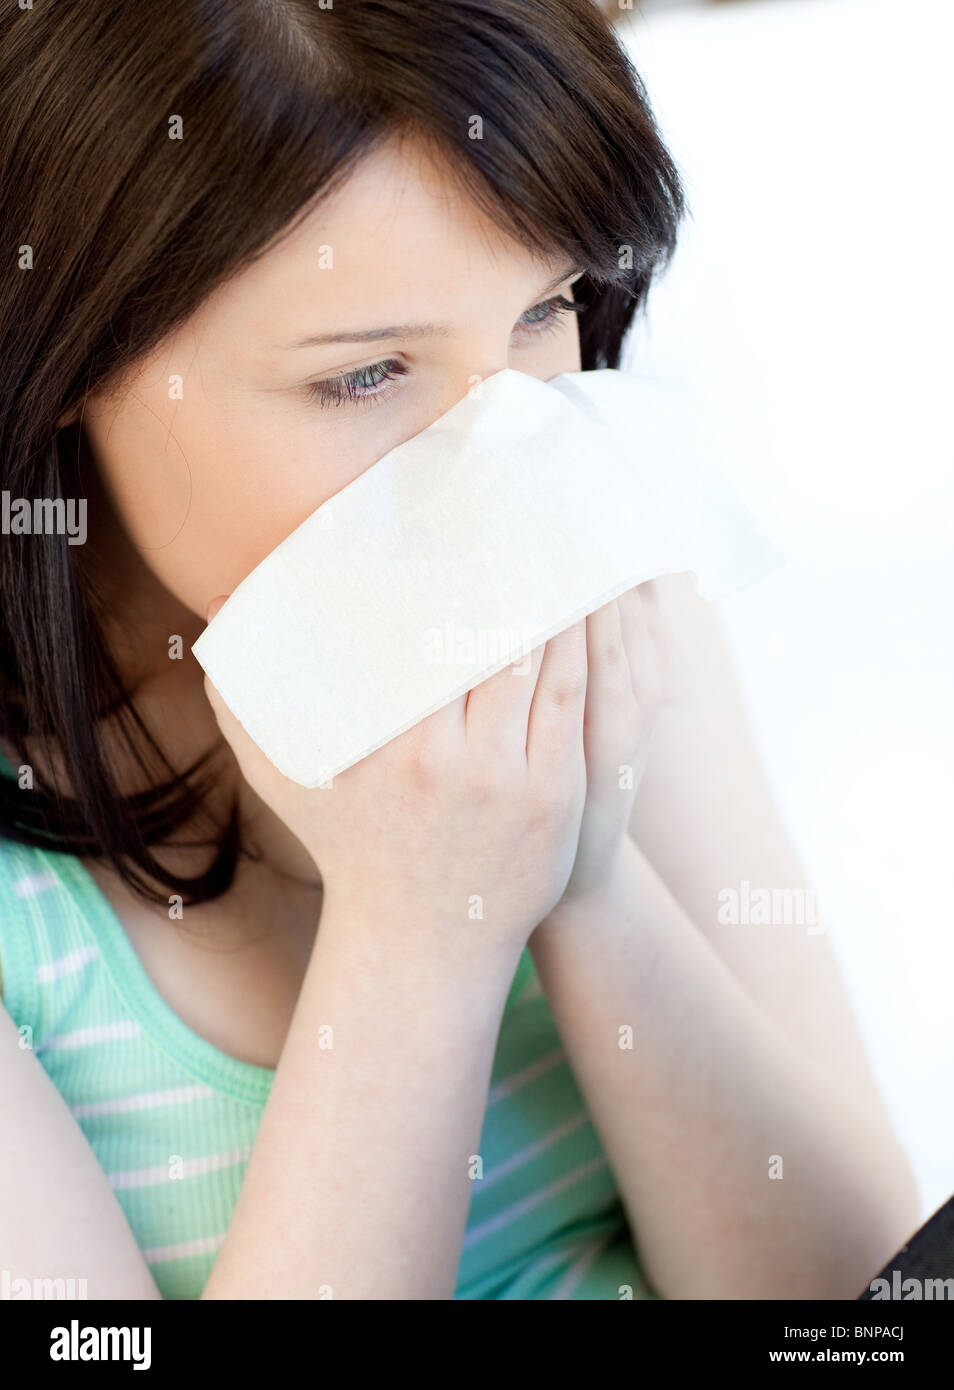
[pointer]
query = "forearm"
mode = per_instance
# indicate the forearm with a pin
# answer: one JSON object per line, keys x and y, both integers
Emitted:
{"x": 692, "y": 1113}
{"x": 357, "y": 1186}
{"x": 59, "y": 1216}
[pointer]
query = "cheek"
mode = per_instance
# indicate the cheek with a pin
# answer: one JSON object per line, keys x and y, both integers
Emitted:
{"x": 205, "y": 497}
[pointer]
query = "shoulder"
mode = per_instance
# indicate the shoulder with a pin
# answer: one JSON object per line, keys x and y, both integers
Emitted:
{"x": 42, "y": 922}
{"x": 17, "y": 863}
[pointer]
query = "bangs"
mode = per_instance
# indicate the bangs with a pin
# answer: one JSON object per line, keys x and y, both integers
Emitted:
{"x": 536, "y": 108}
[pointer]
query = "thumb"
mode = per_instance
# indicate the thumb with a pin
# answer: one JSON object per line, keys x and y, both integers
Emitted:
{"x": 214, "y": 607}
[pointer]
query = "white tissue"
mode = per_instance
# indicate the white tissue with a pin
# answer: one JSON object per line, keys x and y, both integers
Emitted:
{"x": 522, "y": 509}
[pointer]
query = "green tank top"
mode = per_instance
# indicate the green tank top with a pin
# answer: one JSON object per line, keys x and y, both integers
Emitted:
{"x": 172, "y": 1119}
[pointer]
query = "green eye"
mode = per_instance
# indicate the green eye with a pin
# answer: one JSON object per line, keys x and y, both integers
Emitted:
{"x": 358, "y": 385}
{"x": 538, "y": 314}
{"x": 546, "y": 315}
{"x": 373, "y": 383}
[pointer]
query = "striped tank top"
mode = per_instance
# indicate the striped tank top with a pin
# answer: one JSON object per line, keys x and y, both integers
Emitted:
{"x": 171, "y": 1119}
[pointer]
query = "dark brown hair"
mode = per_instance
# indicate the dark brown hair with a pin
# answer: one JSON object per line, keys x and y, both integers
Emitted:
{"x": 131, "y": 230}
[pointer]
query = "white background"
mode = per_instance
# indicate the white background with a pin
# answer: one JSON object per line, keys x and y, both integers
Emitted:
{"x": 812, "y": 301}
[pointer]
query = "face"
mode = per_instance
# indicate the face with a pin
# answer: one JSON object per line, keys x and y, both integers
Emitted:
{"x": 237, "y": 427}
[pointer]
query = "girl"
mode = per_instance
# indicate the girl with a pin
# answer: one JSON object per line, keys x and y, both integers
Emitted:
{"x": 254, "y": 1043}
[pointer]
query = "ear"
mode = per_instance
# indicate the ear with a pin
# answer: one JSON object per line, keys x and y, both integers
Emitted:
{"x": 69, "y": 417}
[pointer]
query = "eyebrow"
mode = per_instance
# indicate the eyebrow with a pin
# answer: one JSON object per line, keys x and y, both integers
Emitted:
{"x": 408, "y": 330}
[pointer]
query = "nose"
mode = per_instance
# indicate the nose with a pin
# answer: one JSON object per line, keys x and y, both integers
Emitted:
{"x": 463, "y": 380}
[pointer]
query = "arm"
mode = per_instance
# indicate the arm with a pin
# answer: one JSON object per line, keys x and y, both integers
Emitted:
{"x": 357, "y": 1186}
{"x": 358, "y": 1180}
{"x": 769, "y": 1016}
{"x": 59, "y": 1217}
{"x": 696, "y": 1112}
{"x": 706, "y": 820}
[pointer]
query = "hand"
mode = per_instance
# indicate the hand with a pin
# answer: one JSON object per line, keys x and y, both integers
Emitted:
{"x": 466, "y": 825}
{"x": 628, "y": 645}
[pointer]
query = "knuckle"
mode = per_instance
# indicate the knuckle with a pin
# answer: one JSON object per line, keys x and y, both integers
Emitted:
{"x": 424, "y": 760}
{"x": 614, "y": 656}
{"x": 567, "y": 689}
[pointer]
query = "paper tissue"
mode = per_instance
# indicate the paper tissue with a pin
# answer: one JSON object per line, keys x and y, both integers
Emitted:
{"x": 522, "y": 509}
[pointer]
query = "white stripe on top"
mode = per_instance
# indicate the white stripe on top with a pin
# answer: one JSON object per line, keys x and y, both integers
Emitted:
{"x": 146, "y": 1100}
{"x": 154, "y": 1254}
{"x": 35, "y": 883}
{"x": 86, "y": 1037}
{"x": 535, "y": 1199}
{"x": 524, "y": 1155}
{"x": 66, "y": 964}
{"x": 191, "y": 1168}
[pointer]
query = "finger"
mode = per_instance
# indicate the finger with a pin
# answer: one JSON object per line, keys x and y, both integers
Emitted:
{"x": 655, "y": 619}
{"x": 441, "y": 725}
{"x": 498, "y": 708}
{"x": 556, "y": 712}
{"x": 641, "y": 648}
{"x": 649, "y": 593}
{"x": 608, "y": 679}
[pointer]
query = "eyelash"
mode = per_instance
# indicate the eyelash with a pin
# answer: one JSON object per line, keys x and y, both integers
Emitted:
{"x": 371, "y": 384}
